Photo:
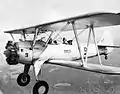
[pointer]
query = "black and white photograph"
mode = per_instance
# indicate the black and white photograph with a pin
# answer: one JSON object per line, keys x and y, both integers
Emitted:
{"x": 59, "y": 47}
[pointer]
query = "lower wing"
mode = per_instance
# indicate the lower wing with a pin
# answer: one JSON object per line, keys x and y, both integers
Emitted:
{"x": 97, "y": 68}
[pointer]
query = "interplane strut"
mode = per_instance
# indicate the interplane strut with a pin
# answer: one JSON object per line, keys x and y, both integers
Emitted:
{"x": 35, "y": 36}
{"x": 89, "y": 36}
{"x": 24, "y": 34}
{"x": 94, "y": 38}
{"x": 12, "y": 36}
{"x": 84, "y": 59}
{"x": 78, "y": 44}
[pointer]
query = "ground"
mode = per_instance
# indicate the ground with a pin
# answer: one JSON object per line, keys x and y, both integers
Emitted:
{"x": 61, "y": 81}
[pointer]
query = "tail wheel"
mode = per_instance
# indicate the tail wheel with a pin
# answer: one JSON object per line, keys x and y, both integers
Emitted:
{"x": 41, "y": 87}
{"x": 106, "y": 57}
{"x": 23, "y": 79}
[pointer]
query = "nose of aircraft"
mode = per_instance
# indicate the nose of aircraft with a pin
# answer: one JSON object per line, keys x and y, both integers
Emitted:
{"x": 11, "y": 54}
{"x": 6, "y": 53}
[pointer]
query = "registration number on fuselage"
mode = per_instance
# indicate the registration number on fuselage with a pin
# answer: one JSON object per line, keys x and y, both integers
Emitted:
{"x": 67, "y": 51}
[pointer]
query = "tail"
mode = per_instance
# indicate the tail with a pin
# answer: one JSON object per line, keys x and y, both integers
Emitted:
{"x": 106, "y": 41}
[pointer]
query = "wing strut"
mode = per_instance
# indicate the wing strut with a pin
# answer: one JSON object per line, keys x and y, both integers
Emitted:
{"x": 35, "y": 36}
{"x": 78, "y": 44}
{"x": 24, "y": 34}
{"x": 12, "y": 36}
{"x": 91, "y": 29}
{"x": 94, "y": 38}
{"x": 89, "y": 36}
{"x": 49, "y": 38}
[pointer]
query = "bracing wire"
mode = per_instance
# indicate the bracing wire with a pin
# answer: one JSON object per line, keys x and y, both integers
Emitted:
{"x": 60, "y": 31}
{"x": 80, "y": 33}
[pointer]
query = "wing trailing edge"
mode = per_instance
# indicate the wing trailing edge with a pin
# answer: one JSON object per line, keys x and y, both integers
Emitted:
{"x": 111, "y": 46}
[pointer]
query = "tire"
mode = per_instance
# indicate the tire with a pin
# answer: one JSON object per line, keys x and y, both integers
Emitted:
{"x": 21, "y": 81}
{"x": 40, "y": 84}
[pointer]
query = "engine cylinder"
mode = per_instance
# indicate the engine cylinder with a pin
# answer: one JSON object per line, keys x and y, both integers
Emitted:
{"x": 11, "y": 53}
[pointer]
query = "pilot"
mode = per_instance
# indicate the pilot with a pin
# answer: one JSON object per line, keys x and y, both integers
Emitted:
{"x": 69, "y": 42}
{"x": 55, "y": 42}
{"x": 65, "y": 41}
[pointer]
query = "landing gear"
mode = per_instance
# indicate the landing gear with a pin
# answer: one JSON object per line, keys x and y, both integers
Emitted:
{"x": 106, "y": 57}
{"x": 41, "y": 87}
{"x": 23, "y": 79}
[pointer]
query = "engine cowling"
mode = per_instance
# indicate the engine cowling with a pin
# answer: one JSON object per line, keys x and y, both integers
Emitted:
{"x": 11, "y": 53}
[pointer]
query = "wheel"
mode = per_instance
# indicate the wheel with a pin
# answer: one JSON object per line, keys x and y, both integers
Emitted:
{"x": 41, "y": 87}
{"x": 23, "y": 79}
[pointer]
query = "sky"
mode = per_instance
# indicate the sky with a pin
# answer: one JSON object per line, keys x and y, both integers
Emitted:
{"x": 23, "y": 13}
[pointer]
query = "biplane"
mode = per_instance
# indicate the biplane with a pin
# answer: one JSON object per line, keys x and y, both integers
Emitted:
{"x": 39, "y": 50}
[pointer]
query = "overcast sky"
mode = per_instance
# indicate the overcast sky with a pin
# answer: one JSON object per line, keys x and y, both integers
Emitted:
{"x": 22, "y": 13}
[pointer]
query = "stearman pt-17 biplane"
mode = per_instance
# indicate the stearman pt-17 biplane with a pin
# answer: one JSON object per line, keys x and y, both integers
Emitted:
{"x": 42, "y": 50}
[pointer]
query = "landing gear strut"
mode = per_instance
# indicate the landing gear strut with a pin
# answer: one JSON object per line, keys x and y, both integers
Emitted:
{"x": 24, "y": 78}
{"x": 106, "y": 57}
{"x": 41, "y": 87}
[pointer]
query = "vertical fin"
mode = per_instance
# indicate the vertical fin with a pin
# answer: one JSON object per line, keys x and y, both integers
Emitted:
{"x": 106, "y": 39}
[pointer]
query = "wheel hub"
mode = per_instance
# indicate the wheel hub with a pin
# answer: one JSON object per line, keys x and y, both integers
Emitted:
{"x": 41, "y": 90}
{"x": 41, "y": 87}
{"x": 24, "y": 79}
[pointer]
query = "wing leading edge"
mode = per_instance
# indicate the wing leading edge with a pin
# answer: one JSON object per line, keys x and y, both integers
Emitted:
{"x": 81, "y": 22}
{"x": 109, "y": 70}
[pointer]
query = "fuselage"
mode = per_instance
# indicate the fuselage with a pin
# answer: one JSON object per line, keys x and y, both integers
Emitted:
{"x": 61, "y": 51}
{"x": 68, "y": 52}
{"x": 25, "y": 54}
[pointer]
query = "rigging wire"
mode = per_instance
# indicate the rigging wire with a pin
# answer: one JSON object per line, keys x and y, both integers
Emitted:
{"x": 64, "y": 28}
{"x": 60, "y": 31}
{"x": 79, "y": 33}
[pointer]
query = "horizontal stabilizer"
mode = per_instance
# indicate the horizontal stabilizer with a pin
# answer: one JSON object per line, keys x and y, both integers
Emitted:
{"x": 111, "y": 46}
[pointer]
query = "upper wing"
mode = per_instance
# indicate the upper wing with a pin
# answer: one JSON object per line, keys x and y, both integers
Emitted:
{"x": 81, "y": 22}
